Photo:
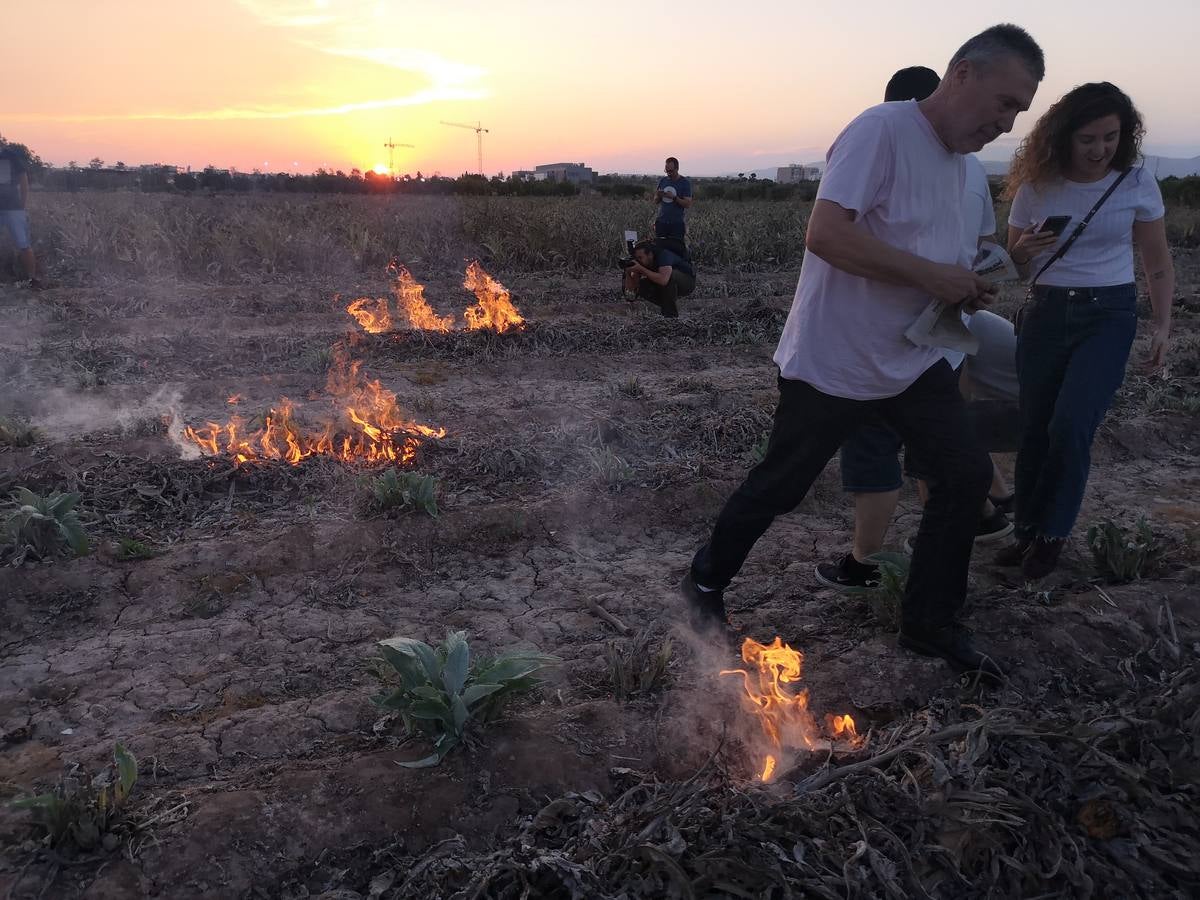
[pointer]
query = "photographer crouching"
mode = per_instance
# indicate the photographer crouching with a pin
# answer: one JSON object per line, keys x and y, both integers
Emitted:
{"x": 659, "y": 276}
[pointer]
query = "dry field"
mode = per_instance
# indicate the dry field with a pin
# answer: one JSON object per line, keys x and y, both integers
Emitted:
{"x": 222, "y": 625}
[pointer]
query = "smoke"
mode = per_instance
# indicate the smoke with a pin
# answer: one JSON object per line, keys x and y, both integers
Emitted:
{"x": 67, "y": 415}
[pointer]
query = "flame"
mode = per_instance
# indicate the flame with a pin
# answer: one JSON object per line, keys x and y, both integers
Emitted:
{"x": 783, "y": 715}
{"x": 365, "y": 426}
{"x": 495, "y": 309}
{"x": 410, "y": 298}
{"x": 372, "y": 315}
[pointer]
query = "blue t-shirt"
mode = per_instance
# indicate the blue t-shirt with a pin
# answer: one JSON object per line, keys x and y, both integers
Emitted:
{"x": 674, "y": 260}
{"x": 672, "y": 215}
{"x": 12, "y": 167}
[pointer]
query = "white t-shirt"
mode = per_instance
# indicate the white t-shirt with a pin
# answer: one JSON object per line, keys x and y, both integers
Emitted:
{"x": 845, "y": 334}
{"x": 1103, "y": 255}
{"x": 979, "y": 220}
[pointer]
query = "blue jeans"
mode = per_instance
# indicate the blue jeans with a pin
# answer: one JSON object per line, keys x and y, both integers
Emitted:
{"x": 1071, "y": 355}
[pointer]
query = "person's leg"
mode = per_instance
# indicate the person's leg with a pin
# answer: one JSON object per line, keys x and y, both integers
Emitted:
{"x": 931, "y": 417}
{"x": 872, "y": 518}
{"x": 668, "y": 297}
{"x": 18, "y": 225}
{"x": 871, "y": 474}
{"x": 807, "y": 430}
{"x": 1102, "y": 332}
{"x": 1042, "y": 356}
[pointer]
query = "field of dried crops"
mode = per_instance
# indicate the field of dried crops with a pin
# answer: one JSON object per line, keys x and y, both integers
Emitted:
{"x": 222, "y": 625}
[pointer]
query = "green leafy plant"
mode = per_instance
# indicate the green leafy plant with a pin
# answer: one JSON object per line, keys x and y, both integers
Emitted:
{"x": 404, "y": 490}
{"x": 759, "y": 451}
{"x": 132, "y": 548}
{"x": 87, "y": 812}
{"x": 637, "y": 667}
{"x": 1124, "y": 554}
{"x": 441, "y": 694}
{"x": 16, "y": 433}
{"x": 887, "y": 597}
{"x": 43, "y": 526}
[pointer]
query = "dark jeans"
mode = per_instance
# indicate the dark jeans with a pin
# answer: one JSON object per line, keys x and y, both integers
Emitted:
{"x": 666, "y": 296}
{"x": 1071, "y": 355}
{"x": 931, "y": 417}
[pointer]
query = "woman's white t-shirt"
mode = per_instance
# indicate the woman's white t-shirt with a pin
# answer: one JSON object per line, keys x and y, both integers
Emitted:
{"x": 1103, "y": 255}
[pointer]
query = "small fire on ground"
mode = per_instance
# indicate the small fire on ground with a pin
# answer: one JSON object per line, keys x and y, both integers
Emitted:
{"x": 493, "y": 310}
{"x": 783, "y": 713}
{"x": 364, "y": 425}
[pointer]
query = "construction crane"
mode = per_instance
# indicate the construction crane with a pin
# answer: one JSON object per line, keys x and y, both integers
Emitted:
{"x": 479, "y": 133}
{"x": 391, "y": 149}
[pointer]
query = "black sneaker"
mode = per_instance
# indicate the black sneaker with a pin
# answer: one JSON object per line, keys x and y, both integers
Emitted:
{"x": 706, "y": 609}
{"x": 953, "y": 644}
{"x": 848, "y": 574}
{"x": 992, "y": 528}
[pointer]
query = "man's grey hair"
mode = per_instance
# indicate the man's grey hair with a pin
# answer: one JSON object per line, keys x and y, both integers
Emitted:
{"x": 995, "y": 43}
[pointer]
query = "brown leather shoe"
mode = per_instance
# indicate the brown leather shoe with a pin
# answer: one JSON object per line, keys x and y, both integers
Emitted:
{"x": 1042, "y": 558}
{"x": 1014, "y": 554}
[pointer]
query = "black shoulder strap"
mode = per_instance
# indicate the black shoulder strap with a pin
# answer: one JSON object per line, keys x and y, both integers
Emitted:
{"x": 1066, "y": 245}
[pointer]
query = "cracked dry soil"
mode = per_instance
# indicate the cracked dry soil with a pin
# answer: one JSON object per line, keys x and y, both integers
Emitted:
{"x": 232, "y": 662}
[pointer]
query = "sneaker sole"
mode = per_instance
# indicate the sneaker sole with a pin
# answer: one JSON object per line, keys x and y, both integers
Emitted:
{"x": 980, "y": 539}
{"x": 838, "y": 586}
{"x": 993, "y": 536}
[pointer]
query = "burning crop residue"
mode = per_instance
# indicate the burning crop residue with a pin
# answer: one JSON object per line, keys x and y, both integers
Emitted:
{"x": 493, "y": 310}
{"x": 372, "y": 315}
{"x": 410, "y": 296}
{"x": 783, "y": 714}
{"x": 365, "y": 425}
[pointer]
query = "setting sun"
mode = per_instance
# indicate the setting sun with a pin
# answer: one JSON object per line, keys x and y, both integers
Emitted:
{"x": 380, "y": 169}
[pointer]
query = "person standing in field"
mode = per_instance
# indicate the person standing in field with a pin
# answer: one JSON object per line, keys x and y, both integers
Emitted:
{"x": 14, "y": 196}
{"x": 870, "y": 468}
{"x": 674, "y": 199}
{"x": 885, "y": 235}
{"x": 1074, "y": 337}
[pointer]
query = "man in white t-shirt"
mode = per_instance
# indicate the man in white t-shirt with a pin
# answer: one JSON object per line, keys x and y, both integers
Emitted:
{"x": 884, "y": 237}
{"x": 870, "y": 465}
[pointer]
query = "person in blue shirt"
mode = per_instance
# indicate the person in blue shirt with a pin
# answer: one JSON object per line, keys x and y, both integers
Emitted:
{"x": 659, "y": 276}
{"x": 674, "y": 198}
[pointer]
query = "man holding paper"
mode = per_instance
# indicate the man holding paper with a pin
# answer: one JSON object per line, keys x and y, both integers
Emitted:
{"x": 884, "y": 239}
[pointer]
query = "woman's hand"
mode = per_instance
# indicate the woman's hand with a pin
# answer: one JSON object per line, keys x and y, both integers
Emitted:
{"x": 1031, "y": 244}
{"x": 1156, "y": 356}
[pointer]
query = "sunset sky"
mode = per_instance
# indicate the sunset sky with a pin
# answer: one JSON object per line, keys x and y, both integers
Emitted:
{"x": 298, "y": 84}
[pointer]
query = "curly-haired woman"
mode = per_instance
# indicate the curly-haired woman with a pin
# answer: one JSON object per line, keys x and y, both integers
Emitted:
{"x": 1075, "y": 335}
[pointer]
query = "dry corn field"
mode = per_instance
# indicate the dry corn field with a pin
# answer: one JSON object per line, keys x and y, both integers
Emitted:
{"x": 270, "y": 486}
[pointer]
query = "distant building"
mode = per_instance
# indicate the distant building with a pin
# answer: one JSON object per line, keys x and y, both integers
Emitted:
{"x": 795, "y": 174}
{"x": 523, "y": 175}
{"x": 575, "y": 173}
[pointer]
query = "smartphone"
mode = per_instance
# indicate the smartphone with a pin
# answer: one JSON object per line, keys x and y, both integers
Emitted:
{"x": 1055, "y": 224}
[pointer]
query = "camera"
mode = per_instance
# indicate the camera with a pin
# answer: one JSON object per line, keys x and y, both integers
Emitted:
{"x": 627, "y": 261}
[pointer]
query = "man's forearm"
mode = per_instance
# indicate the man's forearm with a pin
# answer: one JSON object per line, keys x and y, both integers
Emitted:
{"x": 853, "y": 250}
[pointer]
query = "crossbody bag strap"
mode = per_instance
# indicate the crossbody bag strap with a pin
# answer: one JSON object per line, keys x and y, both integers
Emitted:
{"x": 1066, "y": 245}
